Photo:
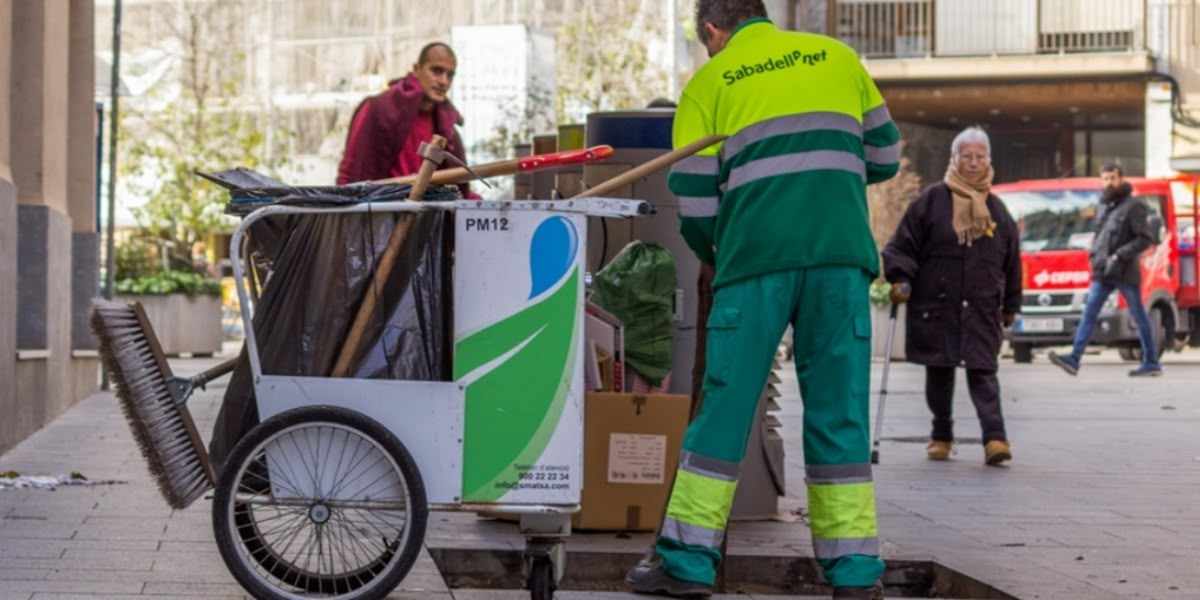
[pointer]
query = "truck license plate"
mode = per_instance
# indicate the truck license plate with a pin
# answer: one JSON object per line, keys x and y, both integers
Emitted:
{"x": 1040, "y": 325}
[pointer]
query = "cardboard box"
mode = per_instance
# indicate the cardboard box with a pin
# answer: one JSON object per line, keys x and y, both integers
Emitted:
{"x": 631, "y": 451}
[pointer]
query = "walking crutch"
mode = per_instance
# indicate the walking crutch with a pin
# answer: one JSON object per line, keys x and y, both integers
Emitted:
{"x": 887, "y": 363}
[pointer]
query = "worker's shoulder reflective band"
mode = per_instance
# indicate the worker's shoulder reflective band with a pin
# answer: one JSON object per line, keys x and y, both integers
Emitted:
{"x": 797, "y": 162}
{"x": 694, "y": 206}
{"x": 787, "y": 125}
{"x": 875, "y": 117}
{"x": 837, "y": 548}
{"x": 834, "y": 474}
{"x": 697, "y": 165}
{"x": 692, "y": 535}
{"x": 713, "y": 468}
{"x": 885, "y": 155}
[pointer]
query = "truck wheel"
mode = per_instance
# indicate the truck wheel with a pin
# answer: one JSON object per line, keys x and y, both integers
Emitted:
{"x": 1158, "y": 322}
{"x": 1022, "y": 353}
{"x": 1130, "y": 353}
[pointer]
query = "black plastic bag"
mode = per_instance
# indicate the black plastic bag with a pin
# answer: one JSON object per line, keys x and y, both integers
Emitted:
{"x": 319, "y": 269}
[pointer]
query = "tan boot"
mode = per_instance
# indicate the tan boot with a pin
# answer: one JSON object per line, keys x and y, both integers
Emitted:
{"x": 996, "y": 452}
{"x": 938, "y": 450}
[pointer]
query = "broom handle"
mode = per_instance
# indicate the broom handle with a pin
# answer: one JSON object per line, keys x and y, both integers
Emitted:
{"x": 525, "y": 164}
{"x": 386, "y": 262}
{"x": 658, "y": 163}
{"x": 213, "y": 373}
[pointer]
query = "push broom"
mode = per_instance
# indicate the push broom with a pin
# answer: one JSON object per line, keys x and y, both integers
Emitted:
{"x": 154, "y": 401}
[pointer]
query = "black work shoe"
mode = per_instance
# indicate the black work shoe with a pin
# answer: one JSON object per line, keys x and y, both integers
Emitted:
{"x": 856, "y": 593}
{"x": 650, "y": 577}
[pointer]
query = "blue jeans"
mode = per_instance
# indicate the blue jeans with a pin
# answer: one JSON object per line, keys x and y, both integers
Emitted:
{"x": 1098, "y": 293}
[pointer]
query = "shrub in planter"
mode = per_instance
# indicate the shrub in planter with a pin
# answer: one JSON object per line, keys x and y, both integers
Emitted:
{"x": 184, "y": 308}
{"x": 165, "y": 283}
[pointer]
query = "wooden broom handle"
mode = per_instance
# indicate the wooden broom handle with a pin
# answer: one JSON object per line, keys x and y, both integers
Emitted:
{"x": 388, "y": 259}
{"x": 658, "y": 163}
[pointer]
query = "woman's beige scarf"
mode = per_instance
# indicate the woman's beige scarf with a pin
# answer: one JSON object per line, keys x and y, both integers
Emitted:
{"x": 971, "y": 217}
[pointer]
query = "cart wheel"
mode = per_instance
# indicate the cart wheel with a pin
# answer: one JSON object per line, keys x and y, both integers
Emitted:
{"x": 541, "y": 579}
{"x": 319, "y": 501}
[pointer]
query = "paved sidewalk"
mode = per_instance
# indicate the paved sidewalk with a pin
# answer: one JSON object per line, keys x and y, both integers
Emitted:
{"x": 1099, "y": 503}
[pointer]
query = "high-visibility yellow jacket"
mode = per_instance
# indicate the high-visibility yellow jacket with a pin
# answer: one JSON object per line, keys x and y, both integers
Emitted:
{"x": 808, "y": 131}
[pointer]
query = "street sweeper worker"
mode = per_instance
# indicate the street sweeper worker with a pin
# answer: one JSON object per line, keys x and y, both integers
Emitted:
{"x": 387, "y": 129}
{"x": 780, "y": 210}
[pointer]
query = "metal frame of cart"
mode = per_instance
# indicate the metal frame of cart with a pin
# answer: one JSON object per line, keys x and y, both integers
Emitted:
{"x": 329, "y": 494}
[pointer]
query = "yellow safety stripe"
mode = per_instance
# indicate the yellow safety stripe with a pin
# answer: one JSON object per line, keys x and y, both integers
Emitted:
{"x": 701, "y": 501}
{"x": 842, "y": 510}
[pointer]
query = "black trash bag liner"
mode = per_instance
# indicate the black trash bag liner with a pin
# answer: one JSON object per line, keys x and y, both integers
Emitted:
{"x": 249, "y": 190}
{"x": 319, "y": 269}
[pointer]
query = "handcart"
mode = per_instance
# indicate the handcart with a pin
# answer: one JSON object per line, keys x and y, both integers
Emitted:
{"x": 329, "y": 494}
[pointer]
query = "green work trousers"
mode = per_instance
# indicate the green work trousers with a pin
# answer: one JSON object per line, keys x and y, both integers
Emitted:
{"x": 829, "y": 311}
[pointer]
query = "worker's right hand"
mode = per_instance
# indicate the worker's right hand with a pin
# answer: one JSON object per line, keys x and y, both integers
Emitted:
{"x": 900, "y": 292}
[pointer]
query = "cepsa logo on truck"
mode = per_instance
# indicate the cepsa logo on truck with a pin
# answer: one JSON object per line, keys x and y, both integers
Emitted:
{"x": 1045, "y": 278}
{"x": 1056, "y": 219}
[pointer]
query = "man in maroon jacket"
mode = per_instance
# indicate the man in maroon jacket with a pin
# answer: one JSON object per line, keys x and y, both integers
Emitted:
{"x": 387, "y": 129}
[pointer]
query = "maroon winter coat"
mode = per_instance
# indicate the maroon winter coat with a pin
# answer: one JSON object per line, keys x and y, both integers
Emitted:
{"x": 958, "y": 292}
{"x": 380, "y": 126}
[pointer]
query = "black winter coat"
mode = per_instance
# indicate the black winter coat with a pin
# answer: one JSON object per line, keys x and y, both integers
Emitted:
{"x": 958, "y": 292}
{"x": 1122, "y": 230}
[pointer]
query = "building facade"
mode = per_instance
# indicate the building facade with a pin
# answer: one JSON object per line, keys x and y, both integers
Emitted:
{"x": 49, "y": 244}
{"x": 1062, "y": 86}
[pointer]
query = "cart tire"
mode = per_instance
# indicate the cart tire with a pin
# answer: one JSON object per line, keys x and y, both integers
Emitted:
{"x": 541, "y": 579}
{"x": 282, "y": 540}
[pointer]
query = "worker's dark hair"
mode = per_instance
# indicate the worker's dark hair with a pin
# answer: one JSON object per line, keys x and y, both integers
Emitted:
{"x": 661, "y": 102}
{"x": 726, "y": 15}
{"x": 427, "y": 48}
{"x": 1110, "y": 167}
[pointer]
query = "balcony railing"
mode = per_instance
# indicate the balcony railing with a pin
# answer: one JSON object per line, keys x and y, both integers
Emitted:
{"x": 918, "y": 28}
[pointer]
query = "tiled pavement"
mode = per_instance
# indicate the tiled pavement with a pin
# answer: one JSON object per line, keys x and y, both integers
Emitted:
{"x": 1099, "y": 503}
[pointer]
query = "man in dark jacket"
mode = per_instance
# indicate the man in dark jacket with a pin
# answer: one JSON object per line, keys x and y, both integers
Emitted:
{"x": 1123, "y": 233}
{"x": 387, "y": 129}
{"x": 957, "y": 252}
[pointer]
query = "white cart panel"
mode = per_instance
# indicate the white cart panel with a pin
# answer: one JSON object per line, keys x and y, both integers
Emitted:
{"x": 518, "y": 298}
{"x": 427, "y": 417}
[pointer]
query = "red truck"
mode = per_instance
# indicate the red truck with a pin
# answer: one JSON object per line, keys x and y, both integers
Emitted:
{"x": 1055, "y": 218}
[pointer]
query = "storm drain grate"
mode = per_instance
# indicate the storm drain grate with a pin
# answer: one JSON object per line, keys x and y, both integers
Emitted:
{"x": 788, "y": 575}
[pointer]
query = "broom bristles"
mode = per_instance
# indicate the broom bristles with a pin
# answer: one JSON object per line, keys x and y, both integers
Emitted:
{"x": 162, "y": 427}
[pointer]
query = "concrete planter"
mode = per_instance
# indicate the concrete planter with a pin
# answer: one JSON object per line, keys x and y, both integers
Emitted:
{"x": 879, "y": 331}
{"x": 184, "y": 325}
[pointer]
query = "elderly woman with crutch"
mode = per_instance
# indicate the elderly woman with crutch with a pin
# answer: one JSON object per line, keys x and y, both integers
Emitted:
{"x": 957, "y": 250}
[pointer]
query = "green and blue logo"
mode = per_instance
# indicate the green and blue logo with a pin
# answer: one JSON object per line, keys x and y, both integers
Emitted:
{"x": 522, "y": 368}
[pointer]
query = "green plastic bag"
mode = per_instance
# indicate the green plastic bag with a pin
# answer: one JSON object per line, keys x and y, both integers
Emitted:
{"x": 638, "y": 287}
